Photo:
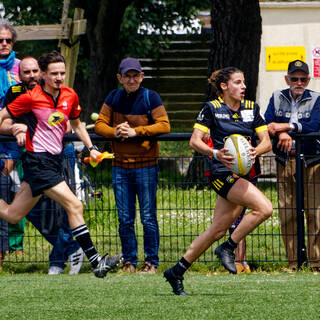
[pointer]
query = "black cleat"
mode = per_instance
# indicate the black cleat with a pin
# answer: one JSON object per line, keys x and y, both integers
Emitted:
{"x": 226, "y": 257}
{"x": 175, "y": 282}
{"x": 106, "y": 264}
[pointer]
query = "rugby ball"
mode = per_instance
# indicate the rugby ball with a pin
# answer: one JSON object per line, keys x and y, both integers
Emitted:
{"x": 239, "y": 147}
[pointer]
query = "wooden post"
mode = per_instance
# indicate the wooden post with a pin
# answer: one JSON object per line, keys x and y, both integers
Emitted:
{"x": 64, "y": 19}
{"x": 68, "y": 32}
{"x": 70, "y": 46}
{"x": 65, "y": 10}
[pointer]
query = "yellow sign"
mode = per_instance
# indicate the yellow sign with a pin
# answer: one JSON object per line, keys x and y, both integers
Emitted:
{"x": 278, "y": 58}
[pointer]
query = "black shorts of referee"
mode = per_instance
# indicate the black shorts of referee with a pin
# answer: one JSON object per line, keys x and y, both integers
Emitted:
{"x": 42, "y": 170}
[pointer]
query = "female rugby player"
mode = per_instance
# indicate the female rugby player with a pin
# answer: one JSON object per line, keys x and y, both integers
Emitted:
{"x": 229, "y": 114}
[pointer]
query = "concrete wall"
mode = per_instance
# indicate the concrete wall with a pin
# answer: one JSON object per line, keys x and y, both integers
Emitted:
{"x": 286, "y": 24}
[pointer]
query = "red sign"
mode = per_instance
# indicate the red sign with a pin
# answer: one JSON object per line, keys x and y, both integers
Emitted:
{"x": 316, "y": 68}
{"x": 316, "y": 62}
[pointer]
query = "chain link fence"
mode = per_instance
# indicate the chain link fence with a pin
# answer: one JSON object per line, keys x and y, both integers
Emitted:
{"x": 185, "y": 206}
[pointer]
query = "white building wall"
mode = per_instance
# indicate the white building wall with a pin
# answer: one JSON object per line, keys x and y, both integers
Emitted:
{"x": 286, "y": 24}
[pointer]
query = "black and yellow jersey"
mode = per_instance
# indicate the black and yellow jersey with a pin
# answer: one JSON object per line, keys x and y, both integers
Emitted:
{"x": 222, "y": 121}
{"x": 14, "y": 92}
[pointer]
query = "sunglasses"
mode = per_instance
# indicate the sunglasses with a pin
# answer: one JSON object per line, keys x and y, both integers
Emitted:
{"x": 296, "y": 79}
{"x": 7, "y": 40}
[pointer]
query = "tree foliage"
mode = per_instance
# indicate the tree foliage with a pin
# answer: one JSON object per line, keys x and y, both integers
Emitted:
{"x": 112, "y": 27}
{"x": 27, "y": 12}
{"x": 35, "y": 12}
{"x": 112, "y": 34}
{"x": 158, "y": 19}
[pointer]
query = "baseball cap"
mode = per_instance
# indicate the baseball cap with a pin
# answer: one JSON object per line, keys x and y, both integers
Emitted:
{"x": 298, "y": 65}
{"x": 128, "y": 64}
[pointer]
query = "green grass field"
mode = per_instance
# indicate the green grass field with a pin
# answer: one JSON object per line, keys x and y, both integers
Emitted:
{"x": 119, "y": 296}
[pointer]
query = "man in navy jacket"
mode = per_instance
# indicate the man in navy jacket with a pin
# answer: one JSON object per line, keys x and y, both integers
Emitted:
{"x": 297, "y": 109}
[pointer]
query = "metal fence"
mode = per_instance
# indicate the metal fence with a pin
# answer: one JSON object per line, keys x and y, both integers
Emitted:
{"x": 185, "y": 205}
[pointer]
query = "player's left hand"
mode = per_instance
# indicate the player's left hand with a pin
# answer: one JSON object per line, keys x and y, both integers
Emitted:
{"x": 94, "y": 154}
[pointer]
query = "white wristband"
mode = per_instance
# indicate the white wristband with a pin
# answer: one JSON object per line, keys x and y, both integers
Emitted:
{"x": 214, "y": 153}
{"x": 292, "y": 127}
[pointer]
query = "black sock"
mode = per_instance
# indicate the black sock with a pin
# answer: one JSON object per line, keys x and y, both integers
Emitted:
{"x": 230, "y": 244}
{"x": 181, "y": 267}
{"x": 82, "y": 236}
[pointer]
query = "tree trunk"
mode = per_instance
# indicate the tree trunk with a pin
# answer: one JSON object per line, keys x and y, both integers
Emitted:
{"x": 236, "y": 27}
{"x": 104, "y": 18}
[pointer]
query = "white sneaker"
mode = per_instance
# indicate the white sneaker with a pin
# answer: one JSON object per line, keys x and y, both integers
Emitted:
{"x": 76, "y": 260}
{"x": 55, "y": 270}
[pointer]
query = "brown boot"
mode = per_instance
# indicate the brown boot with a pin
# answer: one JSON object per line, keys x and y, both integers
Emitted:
{"x": 18, "y": 252}
{"x": 128, "y": 267}
{"x": 149, "y": 268}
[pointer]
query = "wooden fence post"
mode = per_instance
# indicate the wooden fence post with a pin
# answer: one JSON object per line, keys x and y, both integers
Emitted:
{"x": 68, "y": 32}
{"x": 70, "y": 47}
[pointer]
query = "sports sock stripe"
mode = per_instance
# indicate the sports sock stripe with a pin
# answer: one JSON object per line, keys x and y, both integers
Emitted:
{"x": 82, "y": 235}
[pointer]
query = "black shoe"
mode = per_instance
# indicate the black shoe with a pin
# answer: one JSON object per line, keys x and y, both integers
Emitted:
{"x": 226, "y": 257}
{"x": 106, "y": 264}
{"x": 175, "y": 282}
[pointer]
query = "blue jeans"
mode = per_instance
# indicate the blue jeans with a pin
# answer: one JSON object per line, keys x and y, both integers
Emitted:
{"x": 127, "y": 185}
{"x": 60, "y": 237}
{"x": 70, "y": 153}
{"x": 5, "y": 186}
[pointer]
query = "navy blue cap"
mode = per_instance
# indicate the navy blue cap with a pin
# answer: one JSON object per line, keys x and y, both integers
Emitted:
{"x": 128, "y": 64}
{"x": 298, "y": 65}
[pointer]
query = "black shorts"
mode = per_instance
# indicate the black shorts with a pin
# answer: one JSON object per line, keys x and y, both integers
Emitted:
{"x": 42, "y": 170}
{"x": 222, "y": 183}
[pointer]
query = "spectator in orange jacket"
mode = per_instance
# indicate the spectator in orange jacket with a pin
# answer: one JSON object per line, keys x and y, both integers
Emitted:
{"x": 129, "y": 112}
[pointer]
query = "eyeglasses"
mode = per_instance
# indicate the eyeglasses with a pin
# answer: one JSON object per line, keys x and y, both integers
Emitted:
{"x": 7, "y": 40}
{"x": 296, "y": 79}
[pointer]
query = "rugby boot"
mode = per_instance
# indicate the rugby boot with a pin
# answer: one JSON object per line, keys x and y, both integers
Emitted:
{"x": 226, "y": 257}
{"x": 106, "y": 264}
{"x": 175, "y": 282}
{"x": 240, "y": 267}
